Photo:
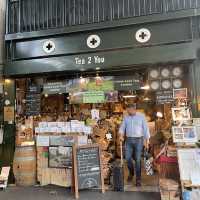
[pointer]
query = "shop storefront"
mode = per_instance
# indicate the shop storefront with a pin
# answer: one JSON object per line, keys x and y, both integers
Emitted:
{"x": 70, "y": 86}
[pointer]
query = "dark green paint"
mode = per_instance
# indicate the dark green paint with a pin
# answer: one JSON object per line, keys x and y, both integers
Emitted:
{"x": 116, "y": 38}
{"x": 119, "y": 59}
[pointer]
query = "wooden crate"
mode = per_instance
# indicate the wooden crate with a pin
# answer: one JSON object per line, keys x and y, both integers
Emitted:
{"x": 61, "y": 177}
{"x": 54, "y": 176}
{"x": 169, "y": 189}
{"x": 169, "y": 195}
{"x": 42, "y": 162}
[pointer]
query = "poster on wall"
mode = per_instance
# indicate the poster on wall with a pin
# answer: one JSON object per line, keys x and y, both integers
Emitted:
{"x": 185, "y": 134}
{"x": 181, "y": 114}
{"x": 9, "y": 113}
{"x": 98, "y": 83}
{"x": 111, "y": 96}
{"x": 180, "y": 93}
{"x": 164, "y": 96}
{"x": 189, "y": 159}
{"x": 94, "y": 97}
{"x": 60, "y": 157}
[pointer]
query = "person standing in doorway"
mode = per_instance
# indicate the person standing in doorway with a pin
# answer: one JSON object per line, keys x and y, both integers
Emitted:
{"x": 134, "y": 130}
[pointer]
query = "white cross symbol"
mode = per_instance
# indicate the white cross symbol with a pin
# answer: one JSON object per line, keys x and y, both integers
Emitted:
{"x": 143, "y": 35}
{"x": 49, "y": 46}
{"x": 93, "y": 41}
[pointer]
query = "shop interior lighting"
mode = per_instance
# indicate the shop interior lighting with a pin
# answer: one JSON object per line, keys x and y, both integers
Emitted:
{"x": 147, "y": 99}
{"x": 129, "y": 96}
{"x": 159, "y": 114}
{"x": 23, "y": 127}
{"x": 82, "y": 80}
{"x": 98, "y": 77}
{"x": 145, "y": 87}
{"x": 46, "y": 95}
{"x": 7, "y": 80}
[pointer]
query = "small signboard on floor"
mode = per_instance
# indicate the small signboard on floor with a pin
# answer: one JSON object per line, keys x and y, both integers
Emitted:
{"x": 87, "y": 168}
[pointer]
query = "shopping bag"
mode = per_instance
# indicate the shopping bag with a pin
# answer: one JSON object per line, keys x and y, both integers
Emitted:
{"x": 148, "y": 163}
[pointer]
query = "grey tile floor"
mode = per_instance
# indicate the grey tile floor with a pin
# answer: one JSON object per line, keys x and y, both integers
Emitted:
{"x": 57, "y": 193}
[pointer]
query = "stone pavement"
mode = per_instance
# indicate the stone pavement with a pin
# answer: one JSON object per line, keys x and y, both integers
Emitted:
{"x": 56, "y": 193}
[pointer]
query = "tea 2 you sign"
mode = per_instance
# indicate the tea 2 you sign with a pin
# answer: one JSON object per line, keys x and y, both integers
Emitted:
{"x": 89, "y": 60}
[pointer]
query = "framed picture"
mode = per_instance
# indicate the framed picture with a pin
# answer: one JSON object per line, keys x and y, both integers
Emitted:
{"x": 185, "y": 134}
{"x": 60, "y": 157}
{"x": 181, "y": 114}
{"x": 180, "y": 93}
{"x": 111, "y": 96}
{"x": 62, "y": 140}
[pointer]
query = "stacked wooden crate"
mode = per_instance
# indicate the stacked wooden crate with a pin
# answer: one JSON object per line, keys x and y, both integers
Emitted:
{"x": 43, "y": 173}
{"x": 169, "y": 189}
{"x": 99, "y": 136}
{"x": 46, "y": 175}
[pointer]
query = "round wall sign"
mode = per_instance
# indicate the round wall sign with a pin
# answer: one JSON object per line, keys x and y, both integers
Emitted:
{"x": 7, "y": 102}
{"x": 49, "y": 46}
{"x": 143, "y": 35}
{"x": 93, "y": 41}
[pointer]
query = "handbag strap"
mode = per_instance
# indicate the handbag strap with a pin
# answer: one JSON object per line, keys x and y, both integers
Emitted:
{"x": 121, "y": 153}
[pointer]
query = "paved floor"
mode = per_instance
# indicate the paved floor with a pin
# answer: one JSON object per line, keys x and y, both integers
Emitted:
{"x": 54, "y": 193}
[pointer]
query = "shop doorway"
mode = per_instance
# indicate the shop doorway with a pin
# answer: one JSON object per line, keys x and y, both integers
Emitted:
{"x": 95, "y": 107}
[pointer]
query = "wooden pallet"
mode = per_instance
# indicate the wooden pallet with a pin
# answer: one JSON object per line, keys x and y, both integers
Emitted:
{"x": 188, "y": 184}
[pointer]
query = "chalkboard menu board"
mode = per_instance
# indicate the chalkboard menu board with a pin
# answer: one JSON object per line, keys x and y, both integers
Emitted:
{"x": 126, "y": 83}
{"x": 87, "y": 168}
{"x": 164, "y": 96}
{"x": 33, "y": 101}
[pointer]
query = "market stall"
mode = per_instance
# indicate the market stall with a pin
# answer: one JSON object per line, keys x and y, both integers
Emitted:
{"x": 54, "y": 115}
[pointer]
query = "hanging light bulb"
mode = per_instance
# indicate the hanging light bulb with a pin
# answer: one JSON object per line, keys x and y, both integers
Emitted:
{"x": 159, "y": 114}
{"x": 82, "y": 80}
{"x": 145, "y": 87}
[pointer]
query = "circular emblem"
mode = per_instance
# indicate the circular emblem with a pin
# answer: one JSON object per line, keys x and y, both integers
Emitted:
{"x": 49, "y": 46}
{"x": 93, "y": 41}
{"x": 143, "y": 35}
{"x": 7, "y": 102}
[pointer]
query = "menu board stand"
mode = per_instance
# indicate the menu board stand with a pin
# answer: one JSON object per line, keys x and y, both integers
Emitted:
{"x": 87, "y": 173}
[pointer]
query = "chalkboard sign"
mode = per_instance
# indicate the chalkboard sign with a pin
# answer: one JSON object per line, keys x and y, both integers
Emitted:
{"x": 126, "y": 83}
{"x": 33, "y": 101}
{"x": 87, "y": 168}
{"x": 164, "y": 96}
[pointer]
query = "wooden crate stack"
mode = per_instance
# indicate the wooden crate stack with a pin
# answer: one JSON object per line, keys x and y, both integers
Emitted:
{"x": 46, "y": 176}
{"x": 169, "y": 189}
{"x": 99, "y": 137}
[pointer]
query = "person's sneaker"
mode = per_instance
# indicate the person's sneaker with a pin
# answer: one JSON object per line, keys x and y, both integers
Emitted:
{"x": 130, "y": 178}
{"x": 138, "y": 183}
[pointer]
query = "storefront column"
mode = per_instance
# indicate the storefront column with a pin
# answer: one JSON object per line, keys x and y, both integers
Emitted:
{"x": 8, "y": 146}
{"x": 194, "y": 79}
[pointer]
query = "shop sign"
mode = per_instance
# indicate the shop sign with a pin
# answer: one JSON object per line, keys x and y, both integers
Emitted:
{"x": 55, "y": 87}
{"x": 94, "y": 97}
{"x": 164, "y": 96}
{"x": 9, "y": 113}
{"x": 33, "y": 89}
{"x": 33, "y": 102}
{"x": 89, "y": 60}
{"x": 126, "y": 83}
